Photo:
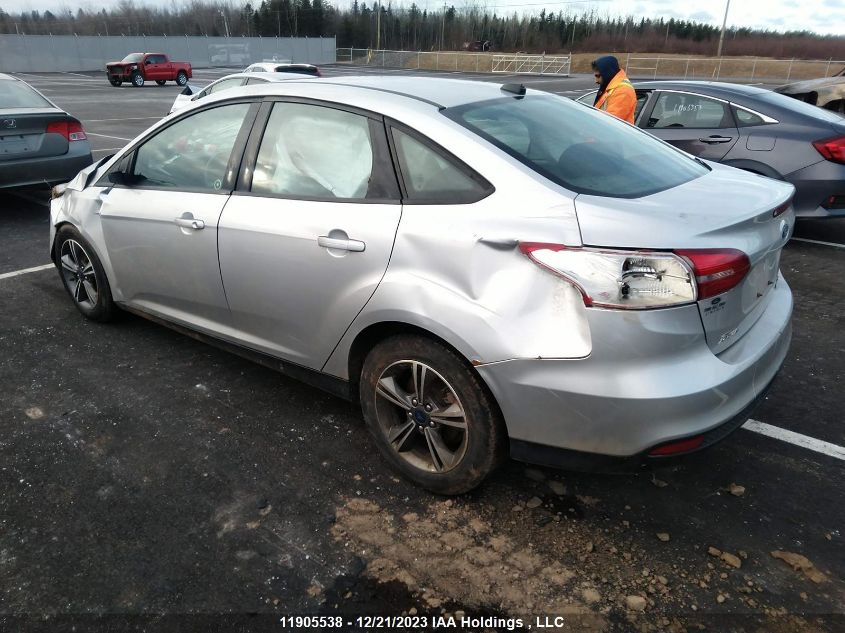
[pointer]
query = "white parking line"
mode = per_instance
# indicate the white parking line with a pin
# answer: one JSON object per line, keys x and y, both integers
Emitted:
{"x": 24, "y": 271}
{"x": 811, "y": 443}
{"x": 119, "y": 138}
{"x": 804, "y": 239}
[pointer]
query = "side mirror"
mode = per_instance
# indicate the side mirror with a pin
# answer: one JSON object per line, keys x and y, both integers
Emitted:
{"x": 148, "y": 61}
{"x": 188, "y": 90}
{"x": 122, "y": 178}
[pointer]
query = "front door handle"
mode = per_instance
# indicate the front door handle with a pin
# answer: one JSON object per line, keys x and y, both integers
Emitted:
{"x": 356, "y": 246}
{"x": 710, "y": 140}
{"x": 190, "y": 223}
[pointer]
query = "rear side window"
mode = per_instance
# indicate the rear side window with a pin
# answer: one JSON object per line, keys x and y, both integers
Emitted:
{"x": 16, "y": 94}
{"x": 578, "y": 147}
{"x": 431, "y": 177}
{"x": 744, "y": 118}
{"x": 255, "y": 80}
{"x": 224, "y": 85}
{"x": 684, "y": 110}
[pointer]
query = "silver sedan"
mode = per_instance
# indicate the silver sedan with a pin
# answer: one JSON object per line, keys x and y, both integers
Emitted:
{"x": 487, "y": 270}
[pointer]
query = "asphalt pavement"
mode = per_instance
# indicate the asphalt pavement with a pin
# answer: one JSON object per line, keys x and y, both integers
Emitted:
{"x": 149, "y": 480}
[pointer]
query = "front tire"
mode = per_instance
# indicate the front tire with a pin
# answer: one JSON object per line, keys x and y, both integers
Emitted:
{"x": 160, "y": 82}
{"x": 431, "y": 416}
{"x": 182, "y": 78}
{"x": 83, "y": 276}
{"x": 137, "y": 79}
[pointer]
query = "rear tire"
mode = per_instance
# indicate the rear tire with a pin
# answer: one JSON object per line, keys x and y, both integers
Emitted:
{"x": 137, "y": 79}
{"x": 160, "y": 82}
{"x": 115, "y": 82}
{"x": 83, "y": 276}
{"x": 181, "y": 78}
{"x": 431, "y": 416}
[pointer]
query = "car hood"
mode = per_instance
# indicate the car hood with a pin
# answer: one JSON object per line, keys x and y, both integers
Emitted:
{"x": 721, "y": 209}
{"x": 809, "y": 85}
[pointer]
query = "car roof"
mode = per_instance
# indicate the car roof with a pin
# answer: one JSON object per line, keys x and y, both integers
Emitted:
{"x": 269, "y": 76}
{"x": 716, "y": 88}
{"x": 436, "y": 91}
{"x": 8, "y": 77}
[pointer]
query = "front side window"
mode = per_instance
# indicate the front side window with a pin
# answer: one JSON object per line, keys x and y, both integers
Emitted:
{"x": 311, "y": 151}
{"x": 193, "y": 153}
{"x": 578, "y": 147}
{"x": 133, "y": 58}
{"x": 684, "y": 110}
{"x": 429, "y": 176}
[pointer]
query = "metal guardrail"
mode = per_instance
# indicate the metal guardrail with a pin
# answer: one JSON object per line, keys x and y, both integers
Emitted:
{"x": 746, "y": 68}
{"x": 456, "y": 61}
{"x": 533, "y": 64}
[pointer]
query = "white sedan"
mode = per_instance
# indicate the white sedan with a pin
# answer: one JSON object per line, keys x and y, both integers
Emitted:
{"x": 191, "y": 93}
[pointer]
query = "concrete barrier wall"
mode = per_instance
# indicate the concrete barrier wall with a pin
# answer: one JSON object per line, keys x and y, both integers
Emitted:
{"x": 72, "y": 53}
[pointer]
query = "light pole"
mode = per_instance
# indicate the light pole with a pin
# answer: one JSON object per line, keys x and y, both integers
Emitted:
{"x": 722, "y": 34}
{"x": 225, "y": 23}
{"x": 378, "y": 28}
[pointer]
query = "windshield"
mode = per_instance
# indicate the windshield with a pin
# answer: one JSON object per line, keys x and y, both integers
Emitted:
{"x": 133, "y": 57}
{"x": 16, "y": 94}
{"x": 578, "y": 147}
{"x": 798, "y": 106}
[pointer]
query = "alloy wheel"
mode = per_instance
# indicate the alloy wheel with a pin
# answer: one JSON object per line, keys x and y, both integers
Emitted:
{"x": 421, "y": 416}
{"x": 78, "y": 273}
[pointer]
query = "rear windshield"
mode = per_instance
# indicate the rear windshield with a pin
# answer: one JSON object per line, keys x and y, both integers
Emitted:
{"x": 16, "y": 94}
{"x": 299, "y": 70}
{"x": 801, "y": 107}
{"x": 133, "y": 57}
{"x": 578, "y": 147}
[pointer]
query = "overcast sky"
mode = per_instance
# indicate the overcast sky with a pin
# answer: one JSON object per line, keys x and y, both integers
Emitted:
{"x": 821, "y": 16}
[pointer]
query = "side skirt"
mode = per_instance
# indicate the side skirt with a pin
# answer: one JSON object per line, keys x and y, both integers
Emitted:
{"x": 330, "y": 384}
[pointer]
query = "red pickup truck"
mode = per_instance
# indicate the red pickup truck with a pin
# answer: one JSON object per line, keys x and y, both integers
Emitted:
{"x": 140, "y": 67}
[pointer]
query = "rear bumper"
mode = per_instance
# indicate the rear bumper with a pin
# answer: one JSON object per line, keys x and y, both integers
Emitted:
{"x": 814, "y": 185}
{"x": 53, "y": 169}
{"x": 650, "y": 379}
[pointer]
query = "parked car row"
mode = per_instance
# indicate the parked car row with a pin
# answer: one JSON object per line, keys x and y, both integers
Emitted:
{"x": 487, "y": 270}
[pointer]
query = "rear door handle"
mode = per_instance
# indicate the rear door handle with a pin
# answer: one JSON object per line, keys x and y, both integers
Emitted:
{"x": 716, "y": 139}
{"x": 190, "y": 223}
{"x": 356, "y": 246}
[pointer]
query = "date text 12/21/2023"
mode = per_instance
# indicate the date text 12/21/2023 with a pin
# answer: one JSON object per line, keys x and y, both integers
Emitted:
{"x": 409, "y": 622}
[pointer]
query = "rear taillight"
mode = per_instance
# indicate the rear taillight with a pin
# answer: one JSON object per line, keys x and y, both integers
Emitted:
{"x": 71, "y": 130}
{"x": 629, "y": 280}
{"x": 833, "y": 149}
{"x": 716, "y": 270}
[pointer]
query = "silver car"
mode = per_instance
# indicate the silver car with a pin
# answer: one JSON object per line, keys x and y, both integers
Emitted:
{"x": 192, "y": 94}
{"x": 39, "y": 142}
{"x": 486, "y": 270}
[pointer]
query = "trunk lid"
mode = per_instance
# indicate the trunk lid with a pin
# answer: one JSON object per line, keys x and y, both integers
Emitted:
{"x": 24, "y": 134}
{"x": 724, "y": 209}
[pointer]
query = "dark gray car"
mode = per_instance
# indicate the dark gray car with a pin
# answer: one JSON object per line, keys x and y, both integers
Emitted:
{"x": 39, "y": 142}
{"x": 753, "y": 129}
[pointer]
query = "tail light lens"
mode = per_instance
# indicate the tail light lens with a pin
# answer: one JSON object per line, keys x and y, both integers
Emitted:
{"x": 71, "y": 130}
{"x": 628, "y": 280}
{"x": 716, "y": 270}
{"x": 833, "y": 149}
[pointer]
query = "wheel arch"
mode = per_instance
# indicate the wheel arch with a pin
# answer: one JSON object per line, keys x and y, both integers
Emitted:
{"x": 375, "y": 333}
{"x": 755, "y": 167}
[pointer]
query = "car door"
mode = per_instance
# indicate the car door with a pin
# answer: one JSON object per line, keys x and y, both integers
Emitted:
{"x": 160, "y": 221}
{"x": 307, "y": 236}
{"x": 703, "y": 126}
{"x": 151, "y": 68}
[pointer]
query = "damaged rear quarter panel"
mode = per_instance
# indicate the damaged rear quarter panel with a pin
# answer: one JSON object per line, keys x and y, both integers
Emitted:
{"x": 457, "y": 272}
